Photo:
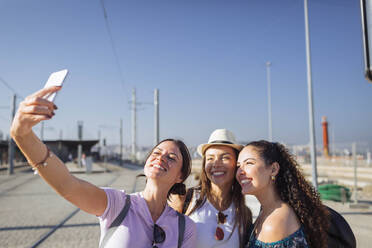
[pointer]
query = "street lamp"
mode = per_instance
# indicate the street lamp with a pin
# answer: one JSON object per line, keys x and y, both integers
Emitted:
{"x": 310, "y": 100}
{"x": 268, "y": 64}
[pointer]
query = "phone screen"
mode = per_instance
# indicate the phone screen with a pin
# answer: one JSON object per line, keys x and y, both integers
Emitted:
{"x": 366, "y": 8}
{"x": 55, "y": 79}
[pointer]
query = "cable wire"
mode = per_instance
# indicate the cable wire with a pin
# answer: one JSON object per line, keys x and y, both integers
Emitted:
{"x": 113, "y": 45}
{"x": 10, "y": 88}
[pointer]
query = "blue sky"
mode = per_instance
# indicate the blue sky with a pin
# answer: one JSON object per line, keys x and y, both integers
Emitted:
{"x": 206, "y": 57}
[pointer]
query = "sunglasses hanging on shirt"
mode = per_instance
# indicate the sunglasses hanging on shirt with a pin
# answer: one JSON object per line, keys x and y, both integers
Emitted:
{"x": 221, "y": 219}
{"x": 159, "y": 236}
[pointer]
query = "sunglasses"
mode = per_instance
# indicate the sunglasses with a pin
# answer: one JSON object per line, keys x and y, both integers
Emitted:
{"x": 221, "y": 219}
{"x": 159, "y": 236}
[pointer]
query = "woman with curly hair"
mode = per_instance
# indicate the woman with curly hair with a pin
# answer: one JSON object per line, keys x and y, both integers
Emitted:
{"x": 292, "y": 214}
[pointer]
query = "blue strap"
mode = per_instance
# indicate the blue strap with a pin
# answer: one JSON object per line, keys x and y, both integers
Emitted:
{"x": 181, "y": 228}
{"x": 116, "y": 223}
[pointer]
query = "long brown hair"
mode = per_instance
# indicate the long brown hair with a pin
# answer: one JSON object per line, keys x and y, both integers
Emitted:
{"x": 293, "y": 189}
{"x": 243, "y": 215}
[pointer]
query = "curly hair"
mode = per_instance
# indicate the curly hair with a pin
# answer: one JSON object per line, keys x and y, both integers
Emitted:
{"x": 293, "y": 189}
{"x": 243, "y": 215}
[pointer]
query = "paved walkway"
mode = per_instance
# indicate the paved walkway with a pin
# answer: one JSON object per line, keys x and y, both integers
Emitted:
{"x": 30, "y": 210}
{"x": 33, "y": 215}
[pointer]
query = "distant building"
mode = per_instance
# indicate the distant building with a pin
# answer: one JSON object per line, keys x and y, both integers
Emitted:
{"x": 62, "y": 148}
{"x": 18, "y": 157}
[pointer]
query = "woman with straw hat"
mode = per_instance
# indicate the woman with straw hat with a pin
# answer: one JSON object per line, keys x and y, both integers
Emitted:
{"x": 217, "y": 205}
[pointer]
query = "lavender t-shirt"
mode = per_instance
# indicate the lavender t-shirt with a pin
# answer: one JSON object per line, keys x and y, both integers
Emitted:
{"x": 137, "y": 228}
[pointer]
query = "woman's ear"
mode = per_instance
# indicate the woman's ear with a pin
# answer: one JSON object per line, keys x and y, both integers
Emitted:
{"x": 275, "y": 167}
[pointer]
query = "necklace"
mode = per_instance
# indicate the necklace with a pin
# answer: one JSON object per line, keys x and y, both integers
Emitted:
{"x": 221, "y": 219}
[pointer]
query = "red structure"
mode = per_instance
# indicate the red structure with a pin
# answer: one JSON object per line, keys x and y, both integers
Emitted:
{"x": 325, "y": 136}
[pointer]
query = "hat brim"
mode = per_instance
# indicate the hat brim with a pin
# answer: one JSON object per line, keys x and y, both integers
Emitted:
{"x": 201, "y": 148}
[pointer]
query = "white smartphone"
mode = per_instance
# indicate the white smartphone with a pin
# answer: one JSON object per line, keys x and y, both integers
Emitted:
{"x": 55, "y": 79}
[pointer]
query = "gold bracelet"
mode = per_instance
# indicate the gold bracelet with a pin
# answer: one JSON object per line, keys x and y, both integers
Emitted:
{"x": 43, "y": 163}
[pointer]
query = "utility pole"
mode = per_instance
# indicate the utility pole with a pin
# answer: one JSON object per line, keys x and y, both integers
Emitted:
{"x": 60, "y": 139}
{"x": 268, "y": 65}
{"x": 353, "y": 149}
{"x": 80, "y": 146}
{"x": 156, "y": 111}
{"x": 134, "y": 109}
{"x": 310, "y": 101}
{"x": 99, "y": 143}
{"x": 121, "y": 142}
{"x": 60, "y": 134}
{"x": 134, "y": 125}
{"x": 333, "y": 141}
{"x": 11, "y": 142}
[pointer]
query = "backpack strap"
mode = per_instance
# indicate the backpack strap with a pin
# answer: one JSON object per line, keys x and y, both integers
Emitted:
{"x": 181, "y": 228}
{"x": 116, "y": 223}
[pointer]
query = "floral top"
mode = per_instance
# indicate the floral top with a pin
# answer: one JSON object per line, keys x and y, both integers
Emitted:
{"x": 296, "y": 239}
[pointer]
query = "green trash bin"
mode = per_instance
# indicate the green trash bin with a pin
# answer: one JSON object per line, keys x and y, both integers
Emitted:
{"x": 334, "y": 192}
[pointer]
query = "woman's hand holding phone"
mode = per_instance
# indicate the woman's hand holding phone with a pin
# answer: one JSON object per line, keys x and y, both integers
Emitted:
{"x": 32, "y": 110}
{"x": 38, "y": 106}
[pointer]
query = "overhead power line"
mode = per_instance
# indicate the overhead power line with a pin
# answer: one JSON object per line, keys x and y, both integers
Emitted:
{"x": 10, "y": 88}
{"x": 113, "y": 45}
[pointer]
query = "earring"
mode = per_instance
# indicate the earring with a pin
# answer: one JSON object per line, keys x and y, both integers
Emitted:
{"x": 273, "y": 178}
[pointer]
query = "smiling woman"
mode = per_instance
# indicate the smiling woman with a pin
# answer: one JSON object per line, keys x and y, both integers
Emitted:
{"x": 150, "y": 220}
{"x": 217, "y": 205}
{"x": 156, "y": 167}
{"x": 140, "y": 219}
{"x": 291, "y": 211}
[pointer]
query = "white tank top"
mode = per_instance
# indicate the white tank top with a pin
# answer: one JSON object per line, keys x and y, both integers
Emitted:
{"x": 205, "y": 219}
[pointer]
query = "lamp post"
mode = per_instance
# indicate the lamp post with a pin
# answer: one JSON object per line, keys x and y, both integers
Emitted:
{"x": 121, "y": 143}
{"x": 268, "y": 65}
{"x": 80, "y": 138}
{"x": 310, "y": 100}
{"x": 11, "y": 142}
{"x": 156, "y": 117}
{"x": 134, "y": 126}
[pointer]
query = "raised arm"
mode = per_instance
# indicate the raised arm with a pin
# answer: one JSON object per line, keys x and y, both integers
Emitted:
{"x": 31, "y": 111}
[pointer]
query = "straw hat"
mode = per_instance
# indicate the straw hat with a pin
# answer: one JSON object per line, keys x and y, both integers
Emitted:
{"x": 220, "y": 137}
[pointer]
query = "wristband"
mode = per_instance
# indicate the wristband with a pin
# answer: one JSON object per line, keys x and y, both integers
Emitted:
{"x": 43, "y": 163}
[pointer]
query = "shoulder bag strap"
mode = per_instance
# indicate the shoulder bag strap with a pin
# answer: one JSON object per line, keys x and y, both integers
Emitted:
{"x": 181, "y": 228}
{"x": 119, "y": 219}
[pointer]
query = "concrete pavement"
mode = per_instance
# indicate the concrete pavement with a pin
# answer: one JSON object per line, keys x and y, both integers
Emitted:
{"x": 30, "y": 210}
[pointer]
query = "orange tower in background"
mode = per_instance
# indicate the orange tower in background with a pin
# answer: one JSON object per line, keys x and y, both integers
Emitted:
{"x": 325, "y": 136}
